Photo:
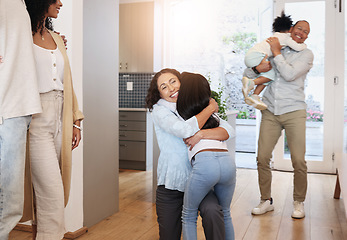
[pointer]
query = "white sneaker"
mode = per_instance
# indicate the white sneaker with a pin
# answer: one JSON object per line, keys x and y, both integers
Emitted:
{"x": 298, "y": 210}
{"x": 247, "y": 86}
{"x": 255, "y": 101}
{"x": 263, "y": 207}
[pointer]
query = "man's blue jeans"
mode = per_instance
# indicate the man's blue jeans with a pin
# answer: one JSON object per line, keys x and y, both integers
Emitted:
{"x": 13, "y": 132}
{"x": 210, "y": 170}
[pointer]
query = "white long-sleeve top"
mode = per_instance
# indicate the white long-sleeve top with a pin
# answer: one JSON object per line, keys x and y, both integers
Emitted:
{"x": 19, "y": 94}
{"x": 204, "y": 144}
{"x": 285, "y": 39}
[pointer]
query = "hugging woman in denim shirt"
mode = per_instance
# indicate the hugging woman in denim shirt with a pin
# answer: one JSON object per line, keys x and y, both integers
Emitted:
{"x": 173, "y": 164}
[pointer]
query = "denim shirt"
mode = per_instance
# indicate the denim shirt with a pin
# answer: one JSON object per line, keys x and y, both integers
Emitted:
{"x": 173, "y": 164}
{"x": 286, "y": 93}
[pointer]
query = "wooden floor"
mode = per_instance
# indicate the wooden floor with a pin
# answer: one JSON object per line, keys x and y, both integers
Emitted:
{"x": 325, "y": 216}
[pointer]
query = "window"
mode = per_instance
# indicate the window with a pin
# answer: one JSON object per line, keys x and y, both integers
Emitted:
{"x": 211, "y": 38}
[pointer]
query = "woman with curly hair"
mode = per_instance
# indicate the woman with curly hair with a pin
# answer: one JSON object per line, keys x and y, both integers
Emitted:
{"x": 173, "y": 164}
{"x": 54, "y": 132}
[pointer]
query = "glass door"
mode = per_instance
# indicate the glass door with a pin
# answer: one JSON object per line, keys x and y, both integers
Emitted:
{"x": 319, "y": 87}
{"x": 212, "y": 38}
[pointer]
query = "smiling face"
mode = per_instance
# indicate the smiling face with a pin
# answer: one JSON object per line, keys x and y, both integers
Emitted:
{"x": 168, "y": 86}
{"x": 54, "y": 9}
{"x": 300, "y": 31}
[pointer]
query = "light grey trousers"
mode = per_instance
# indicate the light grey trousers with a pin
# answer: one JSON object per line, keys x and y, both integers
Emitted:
{"x": 45, "y": 136}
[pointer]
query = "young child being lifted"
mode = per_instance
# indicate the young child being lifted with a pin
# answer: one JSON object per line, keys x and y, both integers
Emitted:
{"x": 282, "y": 26}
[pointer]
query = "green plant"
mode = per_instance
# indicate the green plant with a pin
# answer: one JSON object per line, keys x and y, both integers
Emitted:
{"x": 222, "y": 103}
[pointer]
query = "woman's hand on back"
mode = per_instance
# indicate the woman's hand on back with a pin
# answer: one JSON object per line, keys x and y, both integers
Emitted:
{"x": 193, "y": 140}
{"x": 213, "y": 104}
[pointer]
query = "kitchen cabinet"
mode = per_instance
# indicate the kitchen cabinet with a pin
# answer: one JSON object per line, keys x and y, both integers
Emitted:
{"x": 132, "y": 140}
{"x": 136, "y": 30}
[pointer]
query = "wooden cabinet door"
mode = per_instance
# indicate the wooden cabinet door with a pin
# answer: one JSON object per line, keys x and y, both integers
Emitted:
{"x": 136, "y": 29}
{"x": 125, "y": 36}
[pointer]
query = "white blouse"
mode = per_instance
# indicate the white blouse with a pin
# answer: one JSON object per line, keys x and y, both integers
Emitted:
{"x": 50, "y": 69}
{"x": 206, "y": 144}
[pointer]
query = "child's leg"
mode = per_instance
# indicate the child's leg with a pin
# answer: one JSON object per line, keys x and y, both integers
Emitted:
{"x": 201, "y": 180}
{"x": 261, "y": 80}
{"x": 248, "y": 84}
{"x": 225, "y": 190}
{"x": 258, "y": 89}
{"x": 255, "y": 101}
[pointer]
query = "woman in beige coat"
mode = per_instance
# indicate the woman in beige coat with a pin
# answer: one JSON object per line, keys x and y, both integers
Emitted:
{"x": 56, "y": 131}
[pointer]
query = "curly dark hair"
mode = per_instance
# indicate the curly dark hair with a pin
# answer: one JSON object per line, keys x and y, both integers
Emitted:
{"x": 153, "y": 94}
{"x": 282, "y": 23}
{"x": 37, "y": 10}
{"x": 194, "y": 96}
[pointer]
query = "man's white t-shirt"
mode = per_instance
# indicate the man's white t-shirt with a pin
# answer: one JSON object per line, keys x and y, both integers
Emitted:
{"x": 19, "y": 94}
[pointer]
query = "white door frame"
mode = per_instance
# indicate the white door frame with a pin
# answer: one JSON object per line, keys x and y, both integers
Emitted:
{"x": 333, "y": 97}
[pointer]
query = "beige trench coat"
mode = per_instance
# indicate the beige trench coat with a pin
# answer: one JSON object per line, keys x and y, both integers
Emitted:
{"x": 71, "y": 113}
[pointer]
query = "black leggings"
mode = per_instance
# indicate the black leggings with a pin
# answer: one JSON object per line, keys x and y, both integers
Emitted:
{"x": 169, "y": 205}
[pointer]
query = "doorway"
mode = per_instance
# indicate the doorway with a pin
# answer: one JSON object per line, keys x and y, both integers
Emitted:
{"x": 319, "y": 87}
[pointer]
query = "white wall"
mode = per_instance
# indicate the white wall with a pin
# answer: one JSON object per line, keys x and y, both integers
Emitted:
{"x": 159, "y": 22}
{"x": 343, "y": 180}
{"x": 70, "y": 24}
{"x": 340, "y": 64}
